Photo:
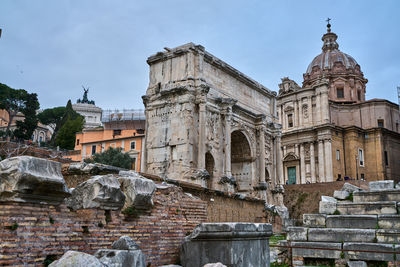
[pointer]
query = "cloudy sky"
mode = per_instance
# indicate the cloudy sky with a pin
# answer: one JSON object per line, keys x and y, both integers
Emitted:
{"x": 54, "y": 47}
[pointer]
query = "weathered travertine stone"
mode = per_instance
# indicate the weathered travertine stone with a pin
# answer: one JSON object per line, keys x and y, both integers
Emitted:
{"x": 389, "y": 221}
{"x": 125, "y": 252}
{"x": 388, "y": 236}
{"x": 352, "y": 221}
{"x": 357, "y": 264}
{"x": 350, "y": 188}
{"x": 314, "y": 220}
{"x": 92, "y": 168}
{"x": 327, "y": 205}
{"x": 125, "y": 243}
{"x": 205, "y": 120}
{"x": 75, "y": 258}
{"x": 102, "y": 191}
{"x": 297, "y": 233}
{"x": 137, "y": 189}
{"x": 369, "y": 256}
{"x": 218, "y": 264}
{"x": 317, "y": 253}
{"x": 30, "y": 179}
{"x": 341, "y": 235}
{"x": 381, "y": 185}
{"x": 233, "y": 244}
{"x": 382, "y": 207}
{"x": 375, "y": 196}
{"x": 116, "y": 258}
{"x": 342, "y": 195}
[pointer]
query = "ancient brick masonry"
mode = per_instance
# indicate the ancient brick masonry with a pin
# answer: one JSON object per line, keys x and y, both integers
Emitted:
{"x": 30, "y": 232}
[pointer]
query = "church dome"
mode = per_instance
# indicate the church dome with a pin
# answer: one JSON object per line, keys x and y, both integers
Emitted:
{"x": 326, "y": 60}
{"x": 331, "y": 62}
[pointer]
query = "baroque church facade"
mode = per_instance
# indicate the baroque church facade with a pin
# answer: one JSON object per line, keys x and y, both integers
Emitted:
{"x": 210, "y": 125}
{"x": 329, "y": 130}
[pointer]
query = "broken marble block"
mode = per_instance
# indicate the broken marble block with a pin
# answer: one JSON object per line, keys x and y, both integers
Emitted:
{"x": 350, "y": 188}
{"x": 101, "y": 191}
{"x": 327, "y": 205}
{"x": 138, "y": 190}
{"x": 31, "y": 179}
{"x": 75, "y": 258}
{"x": 124, "y": 252}
{"x": 381, "y": 185}
{"x": 342, "y": 195}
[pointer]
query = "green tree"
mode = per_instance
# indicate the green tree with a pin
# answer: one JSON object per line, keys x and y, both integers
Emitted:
{"x": 19, "y": 100}
{"x": 70, "y": 124}
{"x": 25, "y": 128}
{"x": 52, "y": 116}
{"x": 114, "y": 157}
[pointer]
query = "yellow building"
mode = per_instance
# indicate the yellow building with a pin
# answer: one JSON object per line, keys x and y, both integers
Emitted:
{"x": 121, "y": 130}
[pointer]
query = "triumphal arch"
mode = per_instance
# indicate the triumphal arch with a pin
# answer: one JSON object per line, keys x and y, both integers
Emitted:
{"x": 209, "y": 124}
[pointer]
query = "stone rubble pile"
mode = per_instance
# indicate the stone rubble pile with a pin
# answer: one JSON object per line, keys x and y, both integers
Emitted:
{"x": 353, "y": 220}
{"x": 124, "y": 252}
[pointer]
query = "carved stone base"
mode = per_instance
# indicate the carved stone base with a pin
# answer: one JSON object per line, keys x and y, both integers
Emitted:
{"x": 261, "y": 186}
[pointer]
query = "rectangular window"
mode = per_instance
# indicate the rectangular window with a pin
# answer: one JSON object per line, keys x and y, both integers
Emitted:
{"x": 340, "y": 92}
{"x": 133, "y": 145}
{"x": 359, "y": 95}
{"x": 380, "y": 123}
{"x": 116, "y": 132}
{"x": 77, "y": 142}
{"x": 93, "y": 149}
{"x": 337, "y": 154}
{"x": 361, "y": 157}
{"x": 362, "y": 176}
{"x": 290, "y": 120}
{"x": 386, "y": 159}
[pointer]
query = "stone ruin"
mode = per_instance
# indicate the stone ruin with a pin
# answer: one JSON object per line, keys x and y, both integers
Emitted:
{"x": 33, "y": 180}
{"x": 210, "y": 125}
{"x": 353, "y": 227}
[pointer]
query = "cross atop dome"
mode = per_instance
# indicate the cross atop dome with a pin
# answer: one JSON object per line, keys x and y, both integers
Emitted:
{"x": 328, "y": 25}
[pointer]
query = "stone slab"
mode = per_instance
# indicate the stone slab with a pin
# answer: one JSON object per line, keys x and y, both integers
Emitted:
{"x": 389, "y": 221}
{"x": 388, "y": 236}
{"x": 327, "y": 207}
{"x": 381, "y": 185}
{"x": 357, "y": 264}
{"x": 352, "y": 221}
{"x": 388, "y": 195}
{"x": 314, "y": 220}
{"x": 115, "y": 257}
{"x": 297, "y": 233}
{"x": 350, "y": 188}
{"x": 369, "y": 256}
{"x": 31, "y": 179}
{"x": 341, "y": 235}
{"x": 314, "y": 252}
{"x": 342, "y": 195}
{"x": 367, "y": 208}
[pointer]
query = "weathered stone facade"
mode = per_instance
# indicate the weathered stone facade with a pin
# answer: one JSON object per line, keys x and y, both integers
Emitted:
{"x": 209, "y": 124}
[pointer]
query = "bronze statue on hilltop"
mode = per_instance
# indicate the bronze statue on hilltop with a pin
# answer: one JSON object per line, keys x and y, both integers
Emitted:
{"x": 85, "y": 99}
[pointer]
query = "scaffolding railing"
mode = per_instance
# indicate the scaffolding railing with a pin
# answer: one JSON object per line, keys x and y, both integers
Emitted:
{"x": 122, "y": 115}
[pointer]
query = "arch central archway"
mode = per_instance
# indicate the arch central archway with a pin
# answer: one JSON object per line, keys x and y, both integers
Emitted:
{"x": 241, "y": 160}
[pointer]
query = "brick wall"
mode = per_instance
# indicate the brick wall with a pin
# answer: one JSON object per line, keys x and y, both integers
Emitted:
{"x": 47, "y": 230}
